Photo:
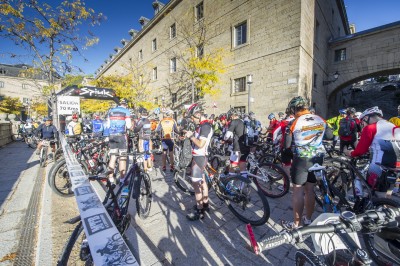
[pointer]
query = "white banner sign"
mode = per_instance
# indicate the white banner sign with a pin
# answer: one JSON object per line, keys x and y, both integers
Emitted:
{"x": 67, "y": 105}
{"x": 106, "y": 243}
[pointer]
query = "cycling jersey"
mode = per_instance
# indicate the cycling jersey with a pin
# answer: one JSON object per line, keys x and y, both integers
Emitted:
{"x": 97, "y": 125}
{"x": 307, "y": 133}
{"x": 203, "y": 131}
{"x": 143, "y": 127}
{"x": 168, "y": 127}
{"x": 236, "y": 132}
{"x": 384, "y": 140}
{"x": 119, "y": 119}
{"x": 47, "y": 132}
{"x": 74, "y": 128}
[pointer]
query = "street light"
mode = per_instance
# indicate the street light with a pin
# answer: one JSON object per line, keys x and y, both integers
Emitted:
{"x": 162, "y": 102}
{"x": 335, "y": 77}
{"x": 249, "y": 82}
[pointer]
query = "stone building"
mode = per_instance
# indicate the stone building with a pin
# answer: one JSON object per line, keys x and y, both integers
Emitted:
{"x": 283, "y": 44}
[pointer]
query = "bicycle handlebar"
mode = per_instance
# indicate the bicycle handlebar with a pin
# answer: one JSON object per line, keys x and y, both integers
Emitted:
{"x": 380, "y": 218}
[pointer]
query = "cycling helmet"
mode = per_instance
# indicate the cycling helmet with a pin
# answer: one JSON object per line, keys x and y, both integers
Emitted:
{"x": 296, "y": 103}
{"x": 232, "y": 112}
{"x": 358, "y": 114}
{"x": 96, "y": 116}
{"x": 75, "y": 116}
{"x": 47, "y": 119}
{"x": 342, "y": 111}
{"x": 212, "y": 117}
{"x": 271, "y": 116}
{"x": 123, "y": 101}
{"x": 281, "y": 114}
{"x": 28, "y": 120}
{"x": 351, "y": 111}
{"x": 194, "y": 108}
{"x": 143, "y": 111}
{"x": 168, "y": 113}
{"x": 371, "y": 111}
{"x": 222, "y": 117}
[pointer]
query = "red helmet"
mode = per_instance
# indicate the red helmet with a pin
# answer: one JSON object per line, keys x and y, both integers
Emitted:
{"x": 194, "y": 108}
{"x": 75, "y": 116}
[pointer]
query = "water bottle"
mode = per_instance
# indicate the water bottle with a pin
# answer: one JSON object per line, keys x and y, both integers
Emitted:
{"x": 358, "y": 187}
{"x": 124, "y": 195}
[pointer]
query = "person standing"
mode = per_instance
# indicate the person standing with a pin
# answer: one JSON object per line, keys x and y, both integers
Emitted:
{"x": 74, "y": 127}
{"x": 303, "y": 136}
{"x": 119, "y": 120}
{"x": 348, "y": 130}
{"x": 97, "y": 126}
{"x": 334, "y": 124}
{"x": 168, "y": 129}
{"x": 143, "y": 127}
{"x": 201, "y": 139}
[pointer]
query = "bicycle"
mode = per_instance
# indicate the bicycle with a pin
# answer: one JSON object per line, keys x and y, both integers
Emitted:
{"x": 46, "y": 143}
{"x": 239, "y": 193}
{"x": 136, "y": 184}
{"x": 334, "y": 237}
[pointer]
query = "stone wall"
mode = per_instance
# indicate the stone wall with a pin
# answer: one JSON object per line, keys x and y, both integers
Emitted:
{"x": 5, "y": 132}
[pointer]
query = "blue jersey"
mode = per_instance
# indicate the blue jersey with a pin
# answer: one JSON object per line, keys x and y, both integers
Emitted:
{"x": 97, "y": 126}
{"x": 117, "y": 120}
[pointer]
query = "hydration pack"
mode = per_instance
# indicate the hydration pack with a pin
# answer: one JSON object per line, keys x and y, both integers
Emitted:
{"x": 345, "y": 127}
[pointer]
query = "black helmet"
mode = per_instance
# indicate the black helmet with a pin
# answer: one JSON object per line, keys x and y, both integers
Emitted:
{"x": 351, "y": 111}
{"x": 194, "y": 108}
{"x": 295, "y": 104}
{"x": 232, "y": 112}
{"x": 143, "y": 111}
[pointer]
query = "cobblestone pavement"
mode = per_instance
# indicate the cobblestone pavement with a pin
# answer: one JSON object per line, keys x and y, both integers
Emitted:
{"x": 219, "y": 239}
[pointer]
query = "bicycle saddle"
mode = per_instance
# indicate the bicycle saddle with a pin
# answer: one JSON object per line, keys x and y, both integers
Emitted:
{"x": 316, "y": 167}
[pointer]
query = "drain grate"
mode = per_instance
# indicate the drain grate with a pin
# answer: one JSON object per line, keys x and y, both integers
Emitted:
{"x": 27, "y": 243}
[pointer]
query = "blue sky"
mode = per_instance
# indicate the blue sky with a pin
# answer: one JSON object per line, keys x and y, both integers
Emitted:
{"x": 123, "y": 15}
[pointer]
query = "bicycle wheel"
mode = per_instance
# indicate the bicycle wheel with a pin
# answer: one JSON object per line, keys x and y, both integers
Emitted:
{"x": 272, "y": 180}
{"x": 306, "y": 257}
{"x": 246, "y": 201}
{"x": 183, "y": 181}
{"x": 59, "y": 180}
{"x": 373, "y": 241}
{"x": 58, "y": 154}
{"x": 76, "y": 251}
{"x": 43, "y": 156}
{"x": 143, "y": 195}
{"x": 215, "y": 162}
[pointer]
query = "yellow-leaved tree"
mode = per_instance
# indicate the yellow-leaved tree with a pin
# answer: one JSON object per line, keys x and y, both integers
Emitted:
{"x": 10, "y": 105}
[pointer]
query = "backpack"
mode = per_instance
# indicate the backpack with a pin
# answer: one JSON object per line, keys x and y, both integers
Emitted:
{"x": 185, "y": 155}
{"x": 145, "y": 132}
{"x": 345, "y": 129}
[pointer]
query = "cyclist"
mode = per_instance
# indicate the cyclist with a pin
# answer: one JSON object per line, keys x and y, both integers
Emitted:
{"x": 46, "y": 131}
{"x": 240, "y": 150}
{"x": 303, "y": 136}
{"x": 27, "y": 129}
{"x": 348, "y": 129}
{"x": 396, "y": 119}
{"x": 201, "y": 140}
{"x": 384, "y": 140}
{"x": 334, "y": 123}
{"x": 97, "y": 126}
{"x": 273, "y": 125}
{"x": 74, "y": 127}
{"x": 281, "y": 116}
{"x": 119, "y": 120}
{"x": 143, "y": 127}
{"x": 168, "y": 129}
{"x": 255, "y": 124}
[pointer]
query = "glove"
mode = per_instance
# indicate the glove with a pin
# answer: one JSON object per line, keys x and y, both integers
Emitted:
{"x": 189, "y": 134}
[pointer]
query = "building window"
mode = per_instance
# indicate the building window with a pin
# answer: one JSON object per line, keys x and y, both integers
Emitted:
{"x": 239, "y": 85}
{"x": 141, "y": 55}
{"x": 240, "y": 34}
{"x": 1, "y": 84}
{"x": 174, "y": 97}
{"x": 172, "y": 65}
{"x": 25, "y": 100}
{"x": 200, "y": 51}
{"x": 154, "y": 45}
{"x": 25, "y": 86}
{"x": 155, "y": 73}
{"x": 172, "y": 31}
{"x": 241, "y": 109}
{"x": 316, "y": 33}
{"x": 3, "y": 71}
{"x": 340, "y": 55}
{"x": 199, "y": 11}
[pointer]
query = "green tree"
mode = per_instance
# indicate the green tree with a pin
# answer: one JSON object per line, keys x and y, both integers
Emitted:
{"x": 49, "y": 33}
{"x": 10, "y": 105}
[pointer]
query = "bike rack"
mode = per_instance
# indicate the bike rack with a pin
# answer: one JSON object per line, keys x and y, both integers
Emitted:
{"x": 105, "y": 241}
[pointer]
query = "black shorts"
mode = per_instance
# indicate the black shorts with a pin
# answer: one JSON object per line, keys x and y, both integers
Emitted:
{"x": 168, "y": 144}
{"x": 299, "y": 170}
{"x": 118, "y": 143}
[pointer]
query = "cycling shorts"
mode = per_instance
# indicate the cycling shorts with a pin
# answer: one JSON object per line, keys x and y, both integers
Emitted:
{"x": 198, "y": 166}
{"x": 299, "y": 170}
{"x": 168, "y": 144}
{"x": 118, "y": 143}
{"x": 144, "y": 145}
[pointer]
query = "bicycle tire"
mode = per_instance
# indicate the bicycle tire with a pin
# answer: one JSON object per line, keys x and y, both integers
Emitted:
{"x": 72, "y": 252}
{"x": 306, "y": 257}
{"x": 143, "y": 195}
{"x": 277, "y": 181}
{"x": 369, "y": 239}
{"x": 237, "y": 197}
{"x": 43, "y": 156}
{"x": 58, "y": 154}
{"x": 183, "y": 182}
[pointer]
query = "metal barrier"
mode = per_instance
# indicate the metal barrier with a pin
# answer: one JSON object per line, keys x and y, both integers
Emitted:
{"x": 105, "y": 242}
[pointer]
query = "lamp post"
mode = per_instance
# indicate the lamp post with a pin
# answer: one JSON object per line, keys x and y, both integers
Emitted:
{"x": 249, "y": 82}
{"x": 162, "y": 103}
{"x": 335, "y": 77}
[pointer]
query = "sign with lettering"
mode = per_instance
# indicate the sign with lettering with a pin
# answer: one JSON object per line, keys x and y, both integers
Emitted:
{"x": 67, "y": 105}
{"x": 94, "y": 93}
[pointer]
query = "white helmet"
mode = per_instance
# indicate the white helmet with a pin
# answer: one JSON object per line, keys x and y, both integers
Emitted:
{"x": 358, "y": 114}
{"x": 371, "y": 111}
{"x": 168, "y": 112}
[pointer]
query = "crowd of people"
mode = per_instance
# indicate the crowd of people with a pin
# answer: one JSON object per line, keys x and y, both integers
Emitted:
{"x": 298, "y": 132}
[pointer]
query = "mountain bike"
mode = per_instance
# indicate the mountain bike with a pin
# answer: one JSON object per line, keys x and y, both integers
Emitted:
{"x": 44, "y": 151}
{"x": 244, "y": 199}
{"x": 334, "y": 237}
{"x": 136, "y": 185}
